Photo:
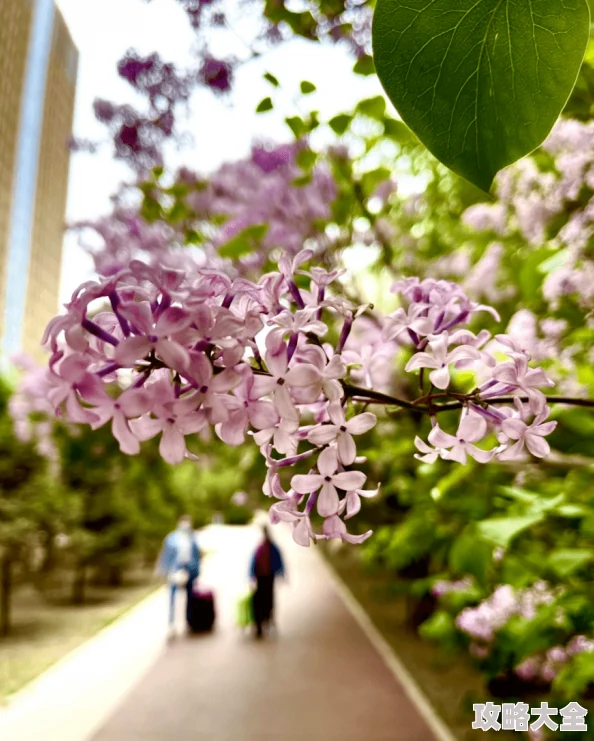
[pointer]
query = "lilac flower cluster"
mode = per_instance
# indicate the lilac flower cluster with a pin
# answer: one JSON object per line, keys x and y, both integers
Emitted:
{"x": 177, "y": 352}
{"x": 530, "y": 200}
{"x": 433, "y": 321}
{"x": 543, "y": 668}
{"x": 139, "y": 135}
{"x": 114, "y": 240}
{"x": 442, "y": 586}
{"x": 261, "y": 190}
{"x": 482, "y": 622}
{"x": 158, "y": 350}
{"x": 31, "y": 409}
{"x": 217, "y": 74}
{"x": 255, "y": 191}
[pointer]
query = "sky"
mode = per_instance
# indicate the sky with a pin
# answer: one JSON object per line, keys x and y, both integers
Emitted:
{"x": 222, "y": 128}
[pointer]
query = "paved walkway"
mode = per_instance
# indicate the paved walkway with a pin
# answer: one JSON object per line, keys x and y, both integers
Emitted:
{"x": 319, "y": 679}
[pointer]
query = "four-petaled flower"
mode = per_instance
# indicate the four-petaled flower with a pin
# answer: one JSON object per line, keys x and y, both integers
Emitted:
{"x": 440, "y": 359}
{"x": 246, "y": 408}
{"x": 287, "y": 323}
{"x": 342, "y": 431}
{"x": 327, "y": 481}
{"x": 174, "y": 419}
{"x": 282, "y": 378}
{"x": 472, "y": 429}
{"x": 153, "y": 335}
{"x": 517, "y": 375}
{"x": 531, "y": 436}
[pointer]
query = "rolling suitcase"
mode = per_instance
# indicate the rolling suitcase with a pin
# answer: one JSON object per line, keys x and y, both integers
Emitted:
{"x": 201, "y": 611}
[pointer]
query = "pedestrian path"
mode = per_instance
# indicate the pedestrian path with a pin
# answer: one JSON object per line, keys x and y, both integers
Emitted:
{"x": 319, "y": 679}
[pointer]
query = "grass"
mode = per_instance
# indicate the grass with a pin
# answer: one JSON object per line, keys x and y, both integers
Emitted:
{"x": 450, "y": 683}
{"x": 44, "y": 632}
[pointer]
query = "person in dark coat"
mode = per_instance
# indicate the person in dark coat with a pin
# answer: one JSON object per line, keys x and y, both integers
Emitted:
{"x": 267, "y": 564}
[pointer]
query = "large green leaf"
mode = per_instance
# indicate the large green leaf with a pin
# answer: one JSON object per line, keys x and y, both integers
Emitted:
{"x": 480, "y": 82}
{"x": 502, "y": 530}
{"x": 566, "y": 561}
{"x": 469, "y": 555}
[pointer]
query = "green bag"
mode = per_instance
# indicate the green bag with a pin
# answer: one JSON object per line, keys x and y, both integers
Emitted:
{"x": 245, "y": 611}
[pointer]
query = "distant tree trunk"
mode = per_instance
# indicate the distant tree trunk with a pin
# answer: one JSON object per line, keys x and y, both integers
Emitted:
{"x": 116, "y": 576}
{"x": 79, "y": 584}
{"x": 5, "y": 593}
{"x": 49, "y": 553}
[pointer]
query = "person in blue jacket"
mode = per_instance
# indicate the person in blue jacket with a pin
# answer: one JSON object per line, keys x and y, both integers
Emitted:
{"x": 180, "y": 563}
{"x": 267, "y": 564}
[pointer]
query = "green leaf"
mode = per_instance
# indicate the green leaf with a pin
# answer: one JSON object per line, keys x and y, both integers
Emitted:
{"x": 480, "y": 82}
{"x": 370, "y": 180}
{"x": 306, "y": 159}
{"x": 300, "y": 182}
{"x": 271, "y": 79}
{"x": 571, "y": 511}
{"x": 339, "y": 124}
{"x": 364, "y": 66}
{"x": 469, "y": 555}
{"x": 177, "y": 190}
{"x": 439, "y": 627}
{"x": 576, "y": 676}
{"x": 307, "y": 87}
{"x": 151, "y": 209}
{"x": 502, "y": 530}
{"x": 373, "y": 107}
{"x": 297, "y": 126}
{"x": 264, "y": 105}
{"x": 398, "y": 131}
{"x": 194, "y": 237}
{"x": 566, "y": 561}
{"x": 178, "y": 212}
{"x": 558, "y": 260}
{"x": 244, "y": 242}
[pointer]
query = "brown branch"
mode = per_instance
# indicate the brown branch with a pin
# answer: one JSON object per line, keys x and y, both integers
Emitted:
{"x": 569, "y": 401}
{"x": 376, "y": 397}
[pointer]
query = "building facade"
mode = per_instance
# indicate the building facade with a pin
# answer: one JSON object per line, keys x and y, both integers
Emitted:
{"x": 30, "y": 277}
{"x": 15, "y": 29}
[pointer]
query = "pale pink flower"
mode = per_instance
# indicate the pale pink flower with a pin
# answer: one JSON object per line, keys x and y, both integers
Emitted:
{"x": 402, "y": 320}
{"x": 466, "y": 337}
{"x": 284, "y": 439}
{"x": 289, "y": 323}
{"x": 439, "y": 359}
{"x": 342, "y": 431}
{"x": 211, "y": 388}
{"x": 154, "y": 335}
{"x": 472, "y": 429}
{"x": 334, "y": 527}
{"x": 353, "y": 500}
{"x": 131, "y": 403}
{"x": 174, "y": 420}
{"x": 72, "y": 376}
{"x": 281, "y": 379}
{"x": 529, "y": 436}
{"x": 427, "y": 453}
{"x": 246, "y": 408}
{"x": 331, "y": 371}
{"x": 517, "y": 374}
{"x": 327, "y": 481}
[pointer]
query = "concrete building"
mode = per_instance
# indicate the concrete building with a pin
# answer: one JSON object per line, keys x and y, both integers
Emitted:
{"x": 15, "y": 29}
{"x": 31, "y": 237}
